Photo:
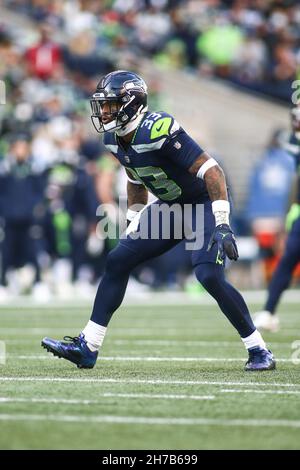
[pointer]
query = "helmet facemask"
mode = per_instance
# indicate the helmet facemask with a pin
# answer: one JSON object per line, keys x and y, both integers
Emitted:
{"x": 122, "y": 107}
{"x": 105, "y": 107}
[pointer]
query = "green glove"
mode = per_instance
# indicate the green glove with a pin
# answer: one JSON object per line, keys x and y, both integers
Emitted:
{"x": 292, "y": 215}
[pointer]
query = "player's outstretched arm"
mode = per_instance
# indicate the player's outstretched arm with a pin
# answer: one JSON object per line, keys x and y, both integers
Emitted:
{"x": 208, "y": 169}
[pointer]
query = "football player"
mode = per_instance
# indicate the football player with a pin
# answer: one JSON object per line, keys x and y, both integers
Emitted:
{"x": 267, "y": 319}
{"x": 161, "y": 157}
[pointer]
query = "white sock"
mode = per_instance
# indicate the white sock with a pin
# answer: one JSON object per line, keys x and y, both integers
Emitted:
{"x": 254, "y": 340}
{"x": 94, "y": 335}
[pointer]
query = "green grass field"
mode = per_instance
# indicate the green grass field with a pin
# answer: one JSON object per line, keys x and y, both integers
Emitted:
{"x": 169, "y": 377}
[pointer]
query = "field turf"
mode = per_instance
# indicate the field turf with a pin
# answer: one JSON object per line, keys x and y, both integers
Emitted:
{"x": 169, "y": 377}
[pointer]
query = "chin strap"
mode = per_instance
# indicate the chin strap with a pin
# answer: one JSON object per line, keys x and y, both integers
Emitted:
{"x": 131, "y": 126}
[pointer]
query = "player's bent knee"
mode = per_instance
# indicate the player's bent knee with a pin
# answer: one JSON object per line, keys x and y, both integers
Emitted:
{"x": 208, "y": 275}
{"x": 120, "y": 261}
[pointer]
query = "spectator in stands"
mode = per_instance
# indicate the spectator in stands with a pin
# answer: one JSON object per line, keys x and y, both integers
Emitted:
{"x": 43, "y": 57}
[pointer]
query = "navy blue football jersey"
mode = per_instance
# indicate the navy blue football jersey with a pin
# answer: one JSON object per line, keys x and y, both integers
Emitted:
{"x": 159, "y": 156}
{"x": 293, "y": 147}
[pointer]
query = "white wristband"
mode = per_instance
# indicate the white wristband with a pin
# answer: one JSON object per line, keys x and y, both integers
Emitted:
{"x": 130, "y": 215}
{"x": 206, "y": 166}
{"x": 221, "y": 206}
{"x": 221, "y": 211}
{"x": 134, "y": 181}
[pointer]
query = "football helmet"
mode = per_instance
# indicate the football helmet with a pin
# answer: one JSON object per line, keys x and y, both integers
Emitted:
{"x": 120, "y": 98}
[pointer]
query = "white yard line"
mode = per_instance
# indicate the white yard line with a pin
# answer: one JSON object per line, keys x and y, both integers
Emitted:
{"x": 143, "y": 395}
{"x": 49, "y": 400}
{"x": 205, "y": 343}
{"x": 144, "y": 358}
{"x": 157, "y": 342}
{"x": 144, "y": 381}
{"x": 106, "y": 395}
{"x": 272, "y": 392}
{"x": 107, "y": 419}
{"x": 142, "y": 331}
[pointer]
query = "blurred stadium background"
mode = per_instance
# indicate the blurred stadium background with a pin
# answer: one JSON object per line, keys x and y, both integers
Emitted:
{"x": 225, "y": 69}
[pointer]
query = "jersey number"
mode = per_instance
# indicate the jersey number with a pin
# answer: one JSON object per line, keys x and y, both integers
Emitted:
{"x": 157, "y": 181}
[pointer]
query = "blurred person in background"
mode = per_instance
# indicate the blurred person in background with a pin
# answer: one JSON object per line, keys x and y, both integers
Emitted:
{"x": 269, "y": 191}
{"x": 281, "y": 279}
{"x": 21, "y": 210}
{"x": 71, "y": 217}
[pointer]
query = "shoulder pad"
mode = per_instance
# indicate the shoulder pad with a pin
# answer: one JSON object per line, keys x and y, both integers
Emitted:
{"x": 157, "y": 126}
{"x": 110, "y": 143}
{"x": 164, "y": 126}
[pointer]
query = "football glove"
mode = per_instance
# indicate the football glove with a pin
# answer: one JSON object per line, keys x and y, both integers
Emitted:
{"x": 292, "y": 215}
{"x": 224, "y": 237}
